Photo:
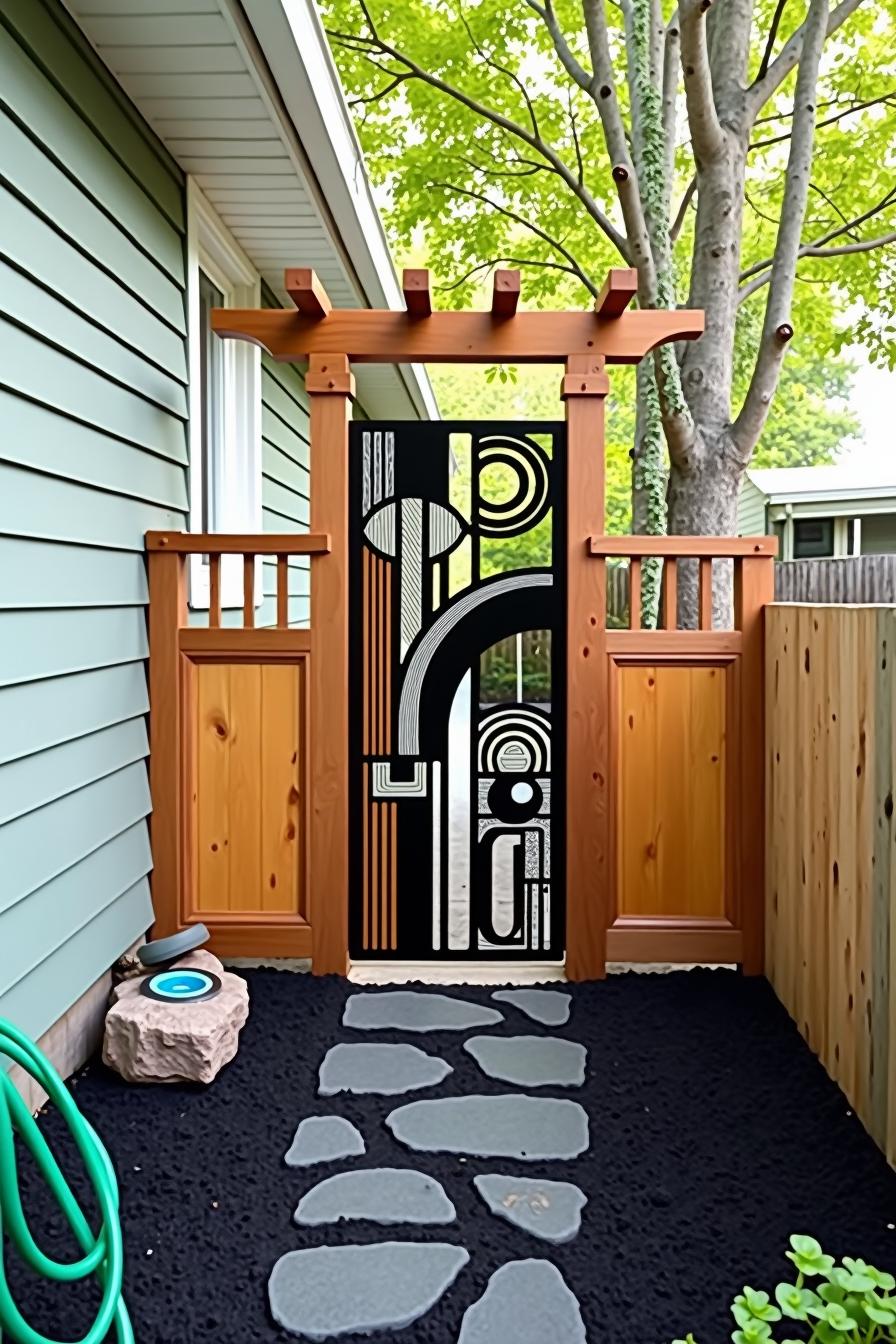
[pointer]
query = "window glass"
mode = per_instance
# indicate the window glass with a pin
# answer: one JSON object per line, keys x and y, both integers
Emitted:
{"x": 813, "y": 537}
{"x": 211, "y": 377}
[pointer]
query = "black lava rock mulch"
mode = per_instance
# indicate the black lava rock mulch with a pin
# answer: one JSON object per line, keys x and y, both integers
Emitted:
{"x": 714, "y": 1135}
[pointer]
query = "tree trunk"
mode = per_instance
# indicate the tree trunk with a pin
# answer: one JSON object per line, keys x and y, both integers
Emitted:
{"x": 648, "y": 483}
{"x": 702, "y": 501}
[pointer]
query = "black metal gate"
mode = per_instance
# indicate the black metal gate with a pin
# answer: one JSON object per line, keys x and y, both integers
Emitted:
{"x": 456, "y": 719}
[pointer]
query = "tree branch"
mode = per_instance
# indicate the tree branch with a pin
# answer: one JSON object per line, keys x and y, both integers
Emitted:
{"x": 852, "y": 224}
{"x": 681, "y": 212}
{"x": 707, "y": 136}
{"x": 640, "y": 254}
{"x": 671, "y": 67}
{"x": 828, "y": 121}
{"x": 777, "y": 328}
{"x": 810, "y": 250}
{"x": 514, "y": 128}
{"x": 507, "y": 261}
{"x": 526, "y": 223}
{"x": 571, "y": 65}
{"x": 772, "y": 35}
{"x": 790, "y": 55}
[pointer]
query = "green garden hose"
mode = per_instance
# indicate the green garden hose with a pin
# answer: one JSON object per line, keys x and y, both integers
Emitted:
{"x": 103, "y": 1252}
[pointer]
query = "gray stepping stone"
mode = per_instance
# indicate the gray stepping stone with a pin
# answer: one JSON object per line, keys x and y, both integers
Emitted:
{"x": 550, "y": 1006}
{"x": 386, "y": 1069}
{"x": 406, "y": 1010}
{"x": 551, "y": 1210}
{"x": 533, "y": 1129}
{"x": 343, "y": 1290}
{"x": 530, "y": 1061}
{"x": 324, "y": 1138}
{"x": 528, "y": 1302}
{"x": 384, "y": 1195}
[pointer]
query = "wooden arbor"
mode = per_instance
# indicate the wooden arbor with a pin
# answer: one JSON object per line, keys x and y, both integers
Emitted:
{"x": 598, "y": 923}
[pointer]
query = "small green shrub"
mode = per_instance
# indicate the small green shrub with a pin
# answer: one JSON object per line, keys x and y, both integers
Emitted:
{"x": 849, "y": 1303}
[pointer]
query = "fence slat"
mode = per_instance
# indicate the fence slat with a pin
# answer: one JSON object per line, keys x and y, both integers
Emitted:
{"x": 853, "y": 579}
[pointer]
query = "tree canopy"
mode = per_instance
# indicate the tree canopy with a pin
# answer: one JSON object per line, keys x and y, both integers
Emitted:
{"x": 738, "y": 153}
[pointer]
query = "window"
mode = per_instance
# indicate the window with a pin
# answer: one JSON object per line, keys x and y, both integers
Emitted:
{"x": 211, "y": 396}
{"x": 225, "y": 398}
{"x": 812, "y": 537}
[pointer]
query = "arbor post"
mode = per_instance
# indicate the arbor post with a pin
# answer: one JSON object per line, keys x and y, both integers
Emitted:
{"x": 331, "y": 388}
{"x": 584, "y": 389}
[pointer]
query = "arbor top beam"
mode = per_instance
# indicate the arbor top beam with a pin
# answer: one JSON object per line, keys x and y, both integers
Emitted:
{"x": 387, "y": 337}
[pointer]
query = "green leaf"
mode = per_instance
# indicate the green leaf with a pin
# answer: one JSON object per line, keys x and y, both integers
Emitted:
{"x": 877, "y": 1277}
{"x": 755, "y": 1332}
{"x": 808, "y": 1256}
{"x": 756, "y": 1305}
{"x": 794, "y": 1302}
{"x": 836, "y": 1316}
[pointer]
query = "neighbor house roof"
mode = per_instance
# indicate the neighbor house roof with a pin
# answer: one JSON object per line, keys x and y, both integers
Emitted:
{"x": 248, "y": 100}
{"x": 843, "y": 480}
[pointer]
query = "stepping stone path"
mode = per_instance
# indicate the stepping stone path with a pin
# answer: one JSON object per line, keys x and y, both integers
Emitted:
{"x": 551, "y": 1210}
{"x": 384, "y": 1195}
{"x": 324, "y": 1138}
{"x": 386, "y": 1069}
{"x": 527, "y": 1302}
{"x": 531, "y": 1129}
{"x": 406, "y": 1010}
{"x": 327, "y": 1291}
{"x": 530, "y": 1061}
{"x": 551, "y": 1007}
{"x": 344, "y": 1290}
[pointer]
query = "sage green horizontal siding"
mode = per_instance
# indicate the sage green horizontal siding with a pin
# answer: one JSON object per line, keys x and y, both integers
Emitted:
{"x": 285, "y": 481}
{"x": 93, "y": 452}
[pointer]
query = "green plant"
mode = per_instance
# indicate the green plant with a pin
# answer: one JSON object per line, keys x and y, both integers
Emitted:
{"x": 849, "y": 1303}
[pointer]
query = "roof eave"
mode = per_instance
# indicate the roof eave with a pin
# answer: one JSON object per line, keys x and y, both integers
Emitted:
{"x": 292, "y": 40}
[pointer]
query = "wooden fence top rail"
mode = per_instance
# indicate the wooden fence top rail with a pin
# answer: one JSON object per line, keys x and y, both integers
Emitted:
{"x": 718, "y": 548}
{"x": 385, "y": 337}
{"x": 240, "y": 543}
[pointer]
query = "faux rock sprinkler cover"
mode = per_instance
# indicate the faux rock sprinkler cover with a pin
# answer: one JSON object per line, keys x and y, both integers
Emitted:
{"x": 551, "y": 1210}
{"x": 343, "y": 1290}
{"x": 406, "y": 1010}
{"x": 532, "y": 1129}
{"x": 385, "y": 1195}
{"x": 530, "y": 1061}
{"x": 385, "y": 1069}
{"x": 526, "y": 1302}
{"x": 151, "y": 1042}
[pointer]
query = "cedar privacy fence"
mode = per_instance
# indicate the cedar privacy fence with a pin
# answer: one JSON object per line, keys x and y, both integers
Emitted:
{"x": 830, "y": 863}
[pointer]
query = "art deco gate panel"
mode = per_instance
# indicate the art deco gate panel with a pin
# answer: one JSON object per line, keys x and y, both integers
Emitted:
{"x": 456, "y": 697}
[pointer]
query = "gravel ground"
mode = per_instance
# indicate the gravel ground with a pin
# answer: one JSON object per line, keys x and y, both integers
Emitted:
{"x": 714, "y": 1135}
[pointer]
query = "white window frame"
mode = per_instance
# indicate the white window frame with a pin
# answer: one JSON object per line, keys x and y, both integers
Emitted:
{"x": 212, "y": 248}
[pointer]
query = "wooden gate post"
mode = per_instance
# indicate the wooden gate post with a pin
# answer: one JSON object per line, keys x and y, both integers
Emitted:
{"x": 331, "y": 388}
{"x": 754, "y": 588}
{"x": 167, "y": 612}
{"x": 584, "y": 390}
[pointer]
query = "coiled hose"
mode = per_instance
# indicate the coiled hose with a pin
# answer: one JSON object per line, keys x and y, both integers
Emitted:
{"x": 103, "y": 1252}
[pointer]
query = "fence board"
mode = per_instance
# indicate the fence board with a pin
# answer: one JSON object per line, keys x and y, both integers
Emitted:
{"x": 854, "y": 578}
{"x": 831, "y": 875}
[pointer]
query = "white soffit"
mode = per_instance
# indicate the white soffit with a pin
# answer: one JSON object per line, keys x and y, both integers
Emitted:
{"x": 247, "y": 100}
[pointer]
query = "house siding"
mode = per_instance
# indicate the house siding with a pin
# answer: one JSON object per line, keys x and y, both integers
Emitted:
{"x": 750, "y": 510}
{"x": 93, "y": 452}
{"x": 285, "y": 480}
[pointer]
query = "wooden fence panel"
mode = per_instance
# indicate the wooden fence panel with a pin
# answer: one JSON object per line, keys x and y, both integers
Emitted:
{"x": 830, "y": 871}
{"x": 672, "y": 851}
{"x": 852, "y": 578}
